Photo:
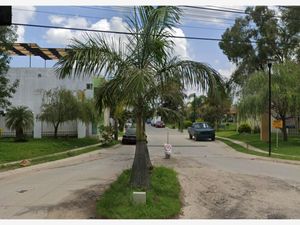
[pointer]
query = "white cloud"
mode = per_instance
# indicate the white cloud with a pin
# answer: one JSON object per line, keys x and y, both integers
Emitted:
{"x": 59, "y": 36}
{"x": 56, "y": 20}
{"x": 226, "y": 72}
{"x": 180, "y": 44}
{"x": 22, "y": 14}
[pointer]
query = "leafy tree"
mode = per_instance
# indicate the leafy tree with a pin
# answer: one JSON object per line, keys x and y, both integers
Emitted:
{"x": 19, "y": 118}
{"x": 138, "y": 69}
{"x": 285, "y": 99}
{"x": 59, "y": 106}
{"x": 87, "y": 112}
{"x": 259, "y": 36}
{"x": 7, "y": 38}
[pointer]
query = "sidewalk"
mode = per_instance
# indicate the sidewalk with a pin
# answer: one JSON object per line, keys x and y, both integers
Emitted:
{"x": 252, "y": 148}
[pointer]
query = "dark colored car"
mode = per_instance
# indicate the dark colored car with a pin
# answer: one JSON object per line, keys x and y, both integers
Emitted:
{"x": 130, "y": 136}
{"x": 159, "y": 124}
{"x": 201, "y": 131}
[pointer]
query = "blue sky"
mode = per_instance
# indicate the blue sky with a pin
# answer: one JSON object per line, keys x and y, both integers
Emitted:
{"x": 195, "y": 22}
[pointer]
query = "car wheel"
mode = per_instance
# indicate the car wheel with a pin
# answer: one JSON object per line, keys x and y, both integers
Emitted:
{"x": 197, "y": 138}
{"x": 213, "y": 138}
{"x": 191, "y": 137}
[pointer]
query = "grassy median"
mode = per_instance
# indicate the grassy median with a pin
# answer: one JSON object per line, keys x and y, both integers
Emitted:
{"x": 163, "y": 198}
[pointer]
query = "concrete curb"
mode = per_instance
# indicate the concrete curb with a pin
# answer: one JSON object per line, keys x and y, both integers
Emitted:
{"x": 250, "y": 147}
{"x": 55, "y": 163}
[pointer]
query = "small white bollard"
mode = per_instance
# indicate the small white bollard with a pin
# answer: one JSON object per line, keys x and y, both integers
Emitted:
{"x": 168, "y": 150}
{"x": 139, "y": 197}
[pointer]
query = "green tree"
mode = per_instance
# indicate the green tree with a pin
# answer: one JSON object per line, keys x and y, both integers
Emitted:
{"x": 7, "y": 38}
{"x": 87, "y": 111}
{"x": 19, "y": 118}
{"x": 258, "y": 37}
{"x": 136, "y": 70}
{"x": 285, "y": 99}
{"x": 59, "y": 106}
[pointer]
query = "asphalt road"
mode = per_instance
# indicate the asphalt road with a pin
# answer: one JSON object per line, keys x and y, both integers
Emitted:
{"x": 68, "y": 188}
{"x": 218, "y": 155}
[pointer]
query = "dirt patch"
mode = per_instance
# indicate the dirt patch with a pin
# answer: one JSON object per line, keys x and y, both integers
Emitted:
{"x": 213, "y": 194}
{"x": 80, "y": 205}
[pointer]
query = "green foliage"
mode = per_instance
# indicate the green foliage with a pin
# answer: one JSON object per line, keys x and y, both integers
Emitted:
{"x": 187, "y": 123}
{"x": 7, "y": 38}
{"x": 19, "y": 118}
{"x": 13, "y": 151}
{"x": 244, "y": 128}
{"x": 163, "y": 199}
{"x": 256, "y": 130}
{"x": 200, "y": 120}
{"x": 261, "y": 35}
{"x": 106, "y": 133}
{"x": 285, "y": 91}
{"x": 59, "y": 105}
{"x": 87, "y": 111}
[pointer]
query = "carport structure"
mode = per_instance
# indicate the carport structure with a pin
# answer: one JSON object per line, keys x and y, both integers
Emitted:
{"x": 32, "y": 49}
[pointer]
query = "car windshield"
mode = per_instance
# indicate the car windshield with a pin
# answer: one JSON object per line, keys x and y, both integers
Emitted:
{"x": 130, "y": 131}
{"x": 201, "y": 125}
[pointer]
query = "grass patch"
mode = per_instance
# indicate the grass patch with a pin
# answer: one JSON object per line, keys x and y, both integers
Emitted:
{"x": 163, "y": 197}
{"x": 289, "y": 148}
{"x": 240, "y": 148}
{"x": 13, "y": 151}
{"x": 63, "y": 155}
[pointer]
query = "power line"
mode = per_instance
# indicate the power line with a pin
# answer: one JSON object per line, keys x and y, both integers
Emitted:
{"x": 211, "y": 9}
{"x": 234, "y": 11}
{"x": 113, "y": 32}
{"x": 94, "y": 17}
{"x": 57, "y": 13}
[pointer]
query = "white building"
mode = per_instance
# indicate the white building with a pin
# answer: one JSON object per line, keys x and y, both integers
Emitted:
{"x": 32, "y": 83}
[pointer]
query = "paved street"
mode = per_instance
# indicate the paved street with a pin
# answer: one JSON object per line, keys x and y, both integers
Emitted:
{"x": 217, "y": 182}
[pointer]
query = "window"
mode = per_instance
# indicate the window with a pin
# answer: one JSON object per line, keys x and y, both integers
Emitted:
{"x": 89, "y": 86}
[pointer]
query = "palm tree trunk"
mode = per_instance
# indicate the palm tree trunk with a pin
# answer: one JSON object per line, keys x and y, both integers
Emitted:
{"x": 148, "y": 160}
{"x": 55, "y": 130}
{"x": 116, "y": 131}
{"x": 140, "y": 175}
{"x": 19, "y": 134}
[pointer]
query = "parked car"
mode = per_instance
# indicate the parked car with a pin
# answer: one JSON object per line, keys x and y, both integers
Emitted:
{"x": 201, "y": 131}
{"x": 130, "y": 136}
{"x": 159, "y": 124}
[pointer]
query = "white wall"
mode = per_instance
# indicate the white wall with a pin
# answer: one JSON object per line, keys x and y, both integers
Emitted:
{"x": 32, "y": 83}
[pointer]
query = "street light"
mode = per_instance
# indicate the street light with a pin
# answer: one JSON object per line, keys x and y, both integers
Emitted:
{"x": 270, "y": 143}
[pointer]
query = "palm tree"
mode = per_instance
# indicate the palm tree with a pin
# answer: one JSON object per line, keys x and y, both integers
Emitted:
{"x": 138, "y": 67}
{"x": 19, "y": 118}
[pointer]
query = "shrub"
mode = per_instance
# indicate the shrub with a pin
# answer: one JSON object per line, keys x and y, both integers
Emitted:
{"x": 187, "y": 123}
{"x": 256, "y": 129}
{"x": 200, "y": 120}
{"x": 244, "y": 128}
{"x": 106, "y": 134}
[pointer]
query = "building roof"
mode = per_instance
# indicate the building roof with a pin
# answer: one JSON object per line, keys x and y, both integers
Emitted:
{"x": 32, "y": 49}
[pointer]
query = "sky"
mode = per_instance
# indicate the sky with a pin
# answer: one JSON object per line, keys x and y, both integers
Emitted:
{"x": 194, "y": 22}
